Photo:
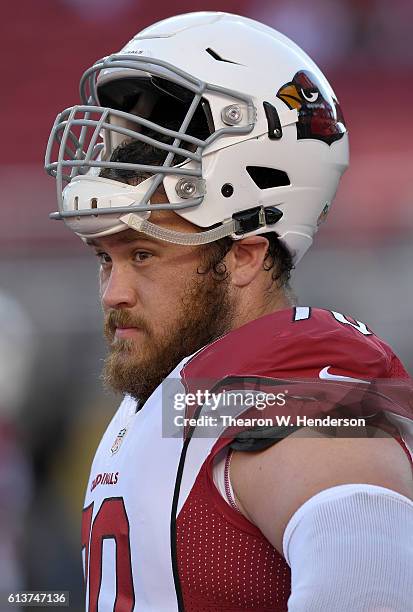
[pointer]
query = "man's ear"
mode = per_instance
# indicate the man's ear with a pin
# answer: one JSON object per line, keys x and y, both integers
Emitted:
{"x": 246, "y": 259}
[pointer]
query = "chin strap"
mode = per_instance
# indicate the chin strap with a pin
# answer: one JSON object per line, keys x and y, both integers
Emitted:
{"x": 242, "y": 223}
{"x": 191, "y": 239}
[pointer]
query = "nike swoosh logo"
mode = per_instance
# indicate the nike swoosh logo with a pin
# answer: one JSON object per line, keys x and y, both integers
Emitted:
{"x": 325, "y": 375}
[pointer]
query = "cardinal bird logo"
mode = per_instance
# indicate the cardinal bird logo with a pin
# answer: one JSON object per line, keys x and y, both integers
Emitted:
{"x": 319, "y": 113}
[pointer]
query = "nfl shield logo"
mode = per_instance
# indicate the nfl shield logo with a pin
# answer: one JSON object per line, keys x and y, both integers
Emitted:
{"x": 118, "y": 441}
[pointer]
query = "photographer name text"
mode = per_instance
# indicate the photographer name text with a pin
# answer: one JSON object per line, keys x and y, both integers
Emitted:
{"x": 225, "y": 420}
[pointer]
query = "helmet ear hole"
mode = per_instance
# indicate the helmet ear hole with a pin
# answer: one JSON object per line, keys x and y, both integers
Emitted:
{"x": 227, "y": 190}
{"x": 266, "y": 178}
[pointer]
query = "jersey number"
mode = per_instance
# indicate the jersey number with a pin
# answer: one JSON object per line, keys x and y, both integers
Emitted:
{"x": 304, "y": 312}
{"x": 111, "y": 522}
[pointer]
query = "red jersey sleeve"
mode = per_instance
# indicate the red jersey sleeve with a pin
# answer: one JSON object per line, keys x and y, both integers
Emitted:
{"x": 298, "y": 342}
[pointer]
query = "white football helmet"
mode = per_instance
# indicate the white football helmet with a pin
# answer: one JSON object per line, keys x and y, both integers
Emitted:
{"x": 250, "y": 134}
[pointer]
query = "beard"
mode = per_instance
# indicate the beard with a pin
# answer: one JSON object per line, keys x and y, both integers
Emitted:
{"x": 138, "y": 368}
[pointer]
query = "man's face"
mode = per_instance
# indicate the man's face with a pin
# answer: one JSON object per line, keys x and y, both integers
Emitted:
{"x": 158, "y": 308}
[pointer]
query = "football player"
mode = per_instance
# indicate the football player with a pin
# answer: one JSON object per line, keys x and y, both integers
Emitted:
{"x": 198, "y": 166}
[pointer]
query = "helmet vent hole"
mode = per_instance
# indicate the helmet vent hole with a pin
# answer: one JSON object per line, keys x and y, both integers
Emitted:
{"x": 94, "y": 203}
{"x": 266, "y": 178}
{"x": 76, "y": 203}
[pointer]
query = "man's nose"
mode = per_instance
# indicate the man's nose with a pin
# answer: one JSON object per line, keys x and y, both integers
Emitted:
{"x": 117, "y": 290}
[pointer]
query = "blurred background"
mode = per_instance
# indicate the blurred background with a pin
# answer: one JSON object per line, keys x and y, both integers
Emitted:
{"x": 52, "y": 407}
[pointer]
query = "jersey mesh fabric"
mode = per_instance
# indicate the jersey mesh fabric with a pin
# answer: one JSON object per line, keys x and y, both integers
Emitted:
{"x": 225, "y": 562}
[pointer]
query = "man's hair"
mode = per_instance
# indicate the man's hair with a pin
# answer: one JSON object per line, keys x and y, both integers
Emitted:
{"x": 278, "y": 258}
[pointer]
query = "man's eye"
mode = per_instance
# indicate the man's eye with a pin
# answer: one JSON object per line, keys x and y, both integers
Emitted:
{"x": 103, "y": 258}
{"x": 142, "y": 255}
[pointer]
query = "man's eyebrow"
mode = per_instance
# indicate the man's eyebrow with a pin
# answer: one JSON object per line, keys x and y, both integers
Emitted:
{"x": 125, "y": 239}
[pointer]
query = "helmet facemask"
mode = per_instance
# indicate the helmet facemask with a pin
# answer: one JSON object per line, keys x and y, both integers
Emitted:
{"x": 128, "y": 100}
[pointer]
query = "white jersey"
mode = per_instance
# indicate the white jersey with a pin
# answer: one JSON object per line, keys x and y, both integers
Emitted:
{"x": 131, "y": 477}
{"x": 131, "y": 485}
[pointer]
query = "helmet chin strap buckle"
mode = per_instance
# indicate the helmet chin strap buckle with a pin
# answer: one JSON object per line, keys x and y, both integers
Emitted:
{"x": 253, "y": 218}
